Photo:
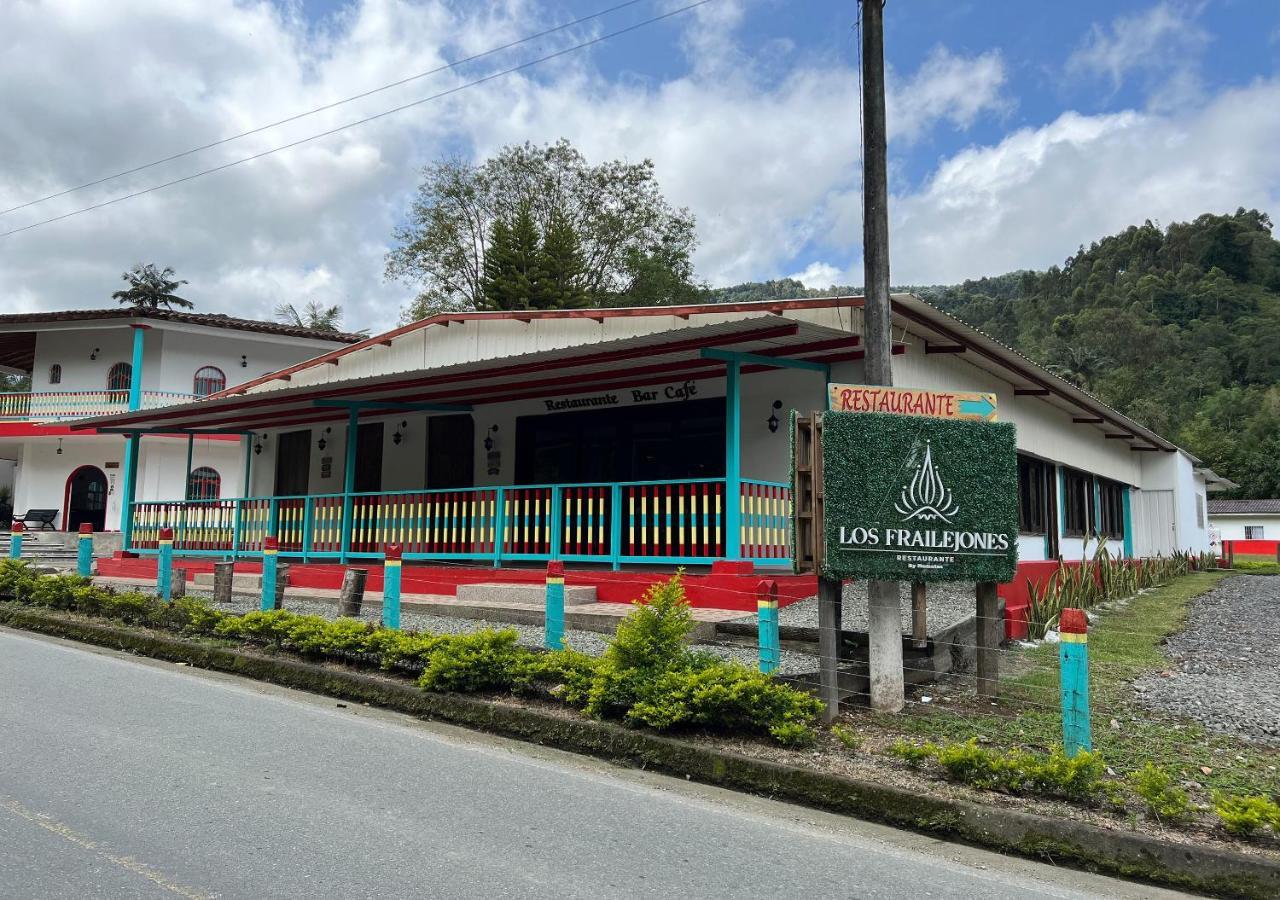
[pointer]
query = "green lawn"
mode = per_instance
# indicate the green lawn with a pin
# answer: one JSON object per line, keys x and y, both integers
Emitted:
{"x": 1123, "y": 645}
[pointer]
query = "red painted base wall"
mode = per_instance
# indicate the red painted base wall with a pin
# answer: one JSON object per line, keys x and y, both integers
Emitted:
{"x": 1253, "y": 548}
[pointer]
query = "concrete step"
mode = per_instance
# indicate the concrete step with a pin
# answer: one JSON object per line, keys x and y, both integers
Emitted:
{"x": 510, "y": 594}
{"x": 240, "y": 581}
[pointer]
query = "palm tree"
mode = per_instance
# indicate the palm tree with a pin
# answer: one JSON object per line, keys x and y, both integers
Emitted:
{"x": 1081, "y": 365}
{"x": 151, "y": 288}
{"x": 313, "y": 316}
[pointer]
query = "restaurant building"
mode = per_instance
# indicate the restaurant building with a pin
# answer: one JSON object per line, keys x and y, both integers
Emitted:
{"x": 625, "y": 440}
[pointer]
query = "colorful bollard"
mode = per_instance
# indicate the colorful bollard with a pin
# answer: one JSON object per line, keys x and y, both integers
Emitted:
{"x": 164, "y": 567}
{"x": 767, "y": 614}
{"x": 555, "y": 606}
{"x": 270, "y": 560}
{"x": 15, "y": 540}
{"x": 1073, "y": 654}
{"x": 84, "y": 550}
{"x": 391, "y": 570}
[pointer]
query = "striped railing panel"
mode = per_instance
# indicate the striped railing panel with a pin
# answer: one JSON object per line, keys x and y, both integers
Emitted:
{"x": 675, "y": 520}
{"x": 53, "y": 405}
{"x": 766, "y": 518}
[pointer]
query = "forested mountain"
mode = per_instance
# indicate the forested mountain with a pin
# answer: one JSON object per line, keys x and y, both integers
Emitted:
{"x": 1177, "y": 328}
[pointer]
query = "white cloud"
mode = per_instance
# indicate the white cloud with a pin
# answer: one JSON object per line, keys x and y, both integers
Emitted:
{"x": 820, "y": 275}
{"x": 1163, "y": 44}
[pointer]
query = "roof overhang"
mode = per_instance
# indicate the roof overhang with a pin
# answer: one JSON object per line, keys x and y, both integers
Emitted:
{"x": 656, "y": 358}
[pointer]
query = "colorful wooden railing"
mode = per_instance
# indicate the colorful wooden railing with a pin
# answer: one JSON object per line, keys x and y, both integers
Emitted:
{"x": 620, "y": 523}
{"x": 46, "y": 406}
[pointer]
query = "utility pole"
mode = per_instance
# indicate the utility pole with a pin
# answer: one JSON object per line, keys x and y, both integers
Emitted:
{"x": 884, "y": 614}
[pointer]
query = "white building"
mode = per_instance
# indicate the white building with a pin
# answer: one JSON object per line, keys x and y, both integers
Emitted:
{"x": 635, "y": 436}
{"x": 94, "y": 362}
{"x": 1245, "y": 520}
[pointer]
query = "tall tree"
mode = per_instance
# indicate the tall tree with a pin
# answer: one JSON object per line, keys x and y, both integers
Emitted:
{"x": 563, "y": 267}
{"x": 513, "y": 274}
{"x": 151, "y": 288}
{"x": 624, "y": 226}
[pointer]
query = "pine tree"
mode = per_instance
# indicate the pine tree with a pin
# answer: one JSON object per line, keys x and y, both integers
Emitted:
{"x": 562, "y": 267}
{"x": 512, "y": 262}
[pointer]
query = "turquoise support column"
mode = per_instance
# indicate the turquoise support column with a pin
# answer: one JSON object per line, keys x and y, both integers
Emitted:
{"x": 733, "y": 460}
{"x": 270, "y": 557}
{"x": 557, "y": 522}
{"x": 84, "y": 550}
{"x": 132, "y": 449}
{"x": 499, "y": 525}
{"x": 1128, "y": 523}
{"x": 164, "y": 566}
{"x": 349, "y": 481}
{"x": 135, "y": 376}
{"x": 615, "y": 526}
{"x": 391, "y": 566}
{"x": 245, "y": 491}
{"x": 767, "y": 615}
{"x": 15, "y": 540}
{"x": 554, "y": 639}
{"x": 1073, "y": 655}
{"x": 186, "y": 491}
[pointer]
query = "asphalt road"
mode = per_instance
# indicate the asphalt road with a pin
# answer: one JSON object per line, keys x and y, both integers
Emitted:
{"x": 122, "y": 777}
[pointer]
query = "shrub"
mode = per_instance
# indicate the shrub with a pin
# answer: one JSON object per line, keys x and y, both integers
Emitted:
{"x": 1076, "y": 777}
{"x": 1164, "y": 800}
{"x": 401, "y": 648}
{"x": 16, "y": 579}
{"x": 1014, "y": 771}
{"x": 1243, "y": 816}
{"x": 565, "y": 674}
{"x": 913, "y": 754}
{"x": 56, "y": 591}
{"x": 318, "y": 636}
{"x": 730, "y": 697}
{"x": 482, "y": 660}
{"x": 981, "y": 768}
{"x": 847, "y": 736}
{"x": 269, "y": 627}
{"x": 132, "y": 608}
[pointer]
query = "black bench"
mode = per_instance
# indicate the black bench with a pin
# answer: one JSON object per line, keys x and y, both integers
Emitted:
{"x": 44, "y": 516}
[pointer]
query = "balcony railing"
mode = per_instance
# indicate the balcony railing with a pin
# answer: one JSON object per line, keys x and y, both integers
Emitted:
{"x": 656, "y": 522}
{"x": 48, "y": 406}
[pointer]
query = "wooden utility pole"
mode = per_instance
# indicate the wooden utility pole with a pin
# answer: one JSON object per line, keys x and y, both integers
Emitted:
{"x": 884, "y": 598}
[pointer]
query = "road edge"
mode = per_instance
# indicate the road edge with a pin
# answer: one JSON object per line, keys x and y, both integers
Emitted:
{"x": 1056, "y": 841}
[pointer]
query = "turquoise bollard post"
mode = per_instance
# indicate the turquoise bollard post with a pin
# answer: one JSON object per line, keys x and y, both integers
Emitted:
{"x": 84, "y": 550}
{"x": 391, "y": 570}
{"x": 15, "y": 540}
{"x": 164, "y": 566}
{"x": 270, "y": 559}
{"x": 554, "y": 639}
{"x": 767, "y": 614}
{"x": 1073, "y": 653}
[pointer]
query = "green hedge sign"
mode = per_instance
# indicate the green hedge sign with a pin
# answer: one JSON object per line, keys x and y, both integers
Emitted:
{"x": 910, "y": 498}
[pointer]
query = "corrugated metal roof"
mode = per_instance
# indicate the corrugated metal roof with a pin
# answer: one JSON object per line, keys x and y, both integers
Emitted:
{"x": 212, "y": 320}
{"x": 1233, "y": 507}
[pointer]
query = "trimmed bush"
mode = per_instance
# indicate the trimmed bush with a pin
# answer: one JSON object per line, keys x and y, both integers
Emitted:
{"x": 480, "y": 661}
{"x": 1165, "y": 801}
{"x": 1245, "y": 816}
{"x": 1079, "y": 777}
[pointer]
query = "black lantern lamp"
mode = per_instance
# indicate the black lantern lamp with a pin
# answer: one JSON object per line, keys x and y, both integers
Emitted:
{"x": 773, "y": 416}
{"x": 399, "y": 433}
{"x": 322, "y": 443}
{"x": 94, "y": 354}
{"x": 258, "y": 442}
{"x": 59, "y": 446}
{"x": 493, "y": 456}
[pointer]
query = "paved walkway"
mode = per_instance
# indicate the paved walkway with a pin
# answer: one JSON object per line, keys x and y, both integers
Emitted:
{"x": 123, "y": 777}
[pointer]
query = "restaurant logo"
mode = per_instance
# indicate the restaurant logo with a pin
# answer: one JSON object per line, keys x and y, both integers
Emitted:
{"x": 925, "y": 497}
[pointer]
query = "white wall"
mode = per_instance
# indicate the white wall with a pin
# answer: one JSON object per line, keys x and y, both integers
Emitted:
{"x": 1231, "y": 527}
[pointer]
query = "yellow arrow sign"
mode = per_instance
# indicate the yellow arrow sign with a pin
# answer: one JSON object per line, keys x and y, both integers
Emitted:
{"x": 912, "y": 402}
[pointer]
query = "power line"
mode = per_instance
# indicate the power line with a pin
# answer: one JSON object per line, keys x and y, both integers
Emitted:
{"x": 357, "y": 122}
{"x": 319, "y": 109}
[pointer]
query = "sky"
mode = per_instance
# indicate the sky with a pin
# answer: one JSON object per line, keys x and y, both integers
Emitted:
{"x": 1018, "y": 131}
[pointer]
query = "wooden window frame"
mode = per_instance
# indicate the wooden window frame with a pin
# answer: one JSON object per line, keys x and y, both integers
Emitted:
{"x": 1035, "y": 496}
{"x": 1077, "y": 503}
{"x": 196, "y": 379}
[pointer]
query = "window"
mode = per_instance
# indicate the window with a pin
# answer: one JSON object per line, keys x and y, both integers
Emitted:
{"x": 1111, "y": 500}
{"x": 1199, "y": 511}
{"x": 1077, "y": 501}
{"x": 209, "y": 380}
{"x": 55, "y": 374}
{"x": 1033, "y": 495}
{"x": 119, "y": 377}
{"x": 204, "y": 483}
{"x": 1253, "y": 533}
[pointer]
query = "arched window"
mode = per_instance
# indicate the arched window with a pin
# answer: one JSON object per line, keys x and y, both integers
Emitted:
{"x": 55, "y": 374}
{"x": 209, "y": 380}
{"x": 204, "y": 484}
{"x": 119, "y": 377}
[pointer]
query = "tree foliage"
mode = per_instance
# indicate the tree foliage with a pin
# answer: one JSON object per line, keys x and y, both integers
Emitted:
{"x": 314, "y": 316}
{"x": 631, "y": 245}
{"x": 1178, "y": 328}
{"x": 151, "y": 287}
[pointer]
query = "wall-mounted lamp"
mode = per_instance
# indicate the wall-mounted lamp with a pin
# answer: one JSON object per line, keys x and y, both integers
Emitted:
{"x": 493, "y": 456}
{"x": 244, "y": 361}
{"x": 59, "y": 446}
{"x": 322, "y": 443}
{"x": 773, "y": 416}
{"x": 259, "y": 441}
{"x": 399, "y": 435}
{"x": 94, "y": 354}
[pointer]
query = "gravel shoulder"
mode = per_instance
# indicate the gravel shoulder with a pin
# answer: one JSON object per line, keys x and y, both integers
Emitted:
{"x": 1227, "y": 662}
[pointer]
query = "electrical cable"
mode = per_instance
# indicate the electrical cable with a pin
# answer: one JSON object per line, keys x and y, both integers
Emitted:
{"x": 364, "y": 121}
{"x": 319, "y": 109}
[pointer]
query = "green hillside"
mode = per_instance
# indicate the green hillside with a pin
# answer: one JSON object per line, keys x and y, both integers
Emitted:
{"x": 1178, "y": 328}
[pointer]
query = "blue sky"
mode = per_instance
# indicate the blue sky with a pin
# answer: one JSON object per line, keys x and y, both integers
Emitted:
{"x": 1019, "y": 130}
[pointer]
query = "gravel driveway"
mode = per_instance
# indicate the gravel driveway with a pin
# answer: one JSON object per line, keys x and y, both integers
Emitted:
{"x": 1227, "y": 661}
{"x": 948, "y": 603}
